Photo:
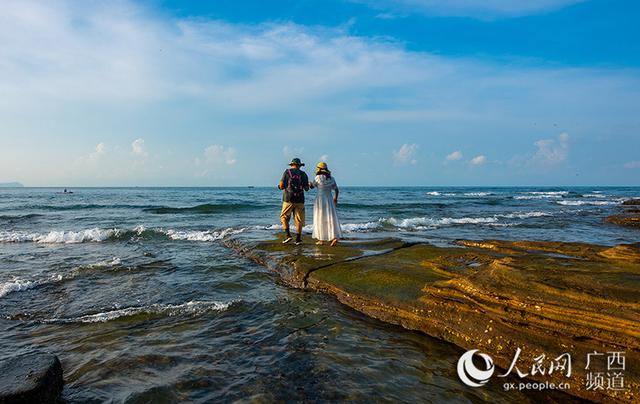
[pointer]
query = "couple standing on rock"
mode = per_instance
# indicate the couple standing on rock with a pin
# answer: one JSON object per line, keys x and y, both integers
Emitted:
{"x": 294, "y": 183}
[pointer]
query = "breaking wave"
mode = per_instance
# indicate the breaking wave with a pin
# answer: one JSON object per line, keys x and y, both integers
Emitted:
{"x": 477, "y": 194}
{"x": 15, "y": 285}
{"x": 101, "y": 235}
{"x": 65, "y": 236}
{"x": 594, "y": 203}
{"x": 19, "y": 285}
{"x": 542, "y": 195}
{"x": 207, "y": 235}
{"x": 417, "y": 223}
{"x": 190, "y": 308}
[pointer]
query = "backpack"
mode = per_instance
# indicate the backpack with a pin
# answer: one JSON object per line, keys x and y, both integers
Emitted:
{"x": 294, "y": 185}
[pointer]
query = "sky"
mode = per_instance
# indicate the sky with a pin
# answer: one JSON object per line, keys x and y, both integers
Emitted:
{"x": 403, "y": 92}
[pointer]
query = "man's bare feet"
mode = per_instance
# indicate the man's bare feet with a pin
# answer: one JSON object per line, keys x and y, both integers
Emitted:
{"x": 320, "y": 242}
{"x": 334, "y": 242}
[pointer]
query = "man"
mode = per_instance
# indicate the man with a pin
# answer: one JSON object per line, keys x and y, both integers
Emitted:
{"x": 293, "y": 184}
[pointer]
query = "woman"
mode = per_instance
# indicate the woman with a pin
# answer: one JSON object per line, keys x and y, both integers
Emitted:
{"x": 326, "y": 226}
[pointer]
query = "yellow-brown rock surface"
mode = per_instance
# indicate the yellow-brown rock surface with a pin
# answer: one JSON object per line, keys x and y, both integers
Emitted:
{"x": 629, "y": 215}
{"x": 546, "y": 298}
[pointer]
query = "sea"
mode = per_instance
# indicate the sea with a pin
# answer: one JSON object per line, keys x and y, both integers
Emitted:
{"x": 135, "y": 292}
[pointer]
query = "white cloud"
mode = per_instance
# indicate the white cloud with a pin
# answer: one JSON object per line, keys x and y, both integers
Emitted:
{"x": 478, "y": 160}
{"x": 100, "y": 148}
{"x": 215, "y": 158}
{"x": 471, "y": 8}
{"x": 138, "y": 149}
{"x": 405, "y": 155}
{"x": 632, "y": 164}
{"x": 456, "y": 155}
{"x": 551, "y": 151}
{"x": 217, "y": 155}
{"x": 324, "y": 158}
{"x": 291, "y": 152}
{"x": 94, "y": 157}
{"x": 103, "y": 59}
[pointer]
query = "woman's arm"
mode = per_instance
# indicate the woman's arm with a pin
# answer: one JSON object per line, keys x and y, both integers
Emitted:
{"x": 335, "y": 198}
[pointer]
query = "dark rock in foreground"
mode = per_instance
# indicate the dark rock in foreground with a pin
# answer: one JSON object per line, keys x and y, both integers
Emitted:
{"x": 545, "y": 298}
{"x": 30, "y": 378}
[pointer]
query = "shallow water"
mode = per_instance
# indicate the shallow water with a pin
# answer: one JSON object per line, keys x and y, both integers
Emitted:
{"x": 135, "y": 293}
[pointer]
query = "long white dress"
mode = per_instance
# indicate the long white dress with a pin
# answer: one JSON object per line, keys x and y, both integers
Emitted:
{"x": 325, "y": 218}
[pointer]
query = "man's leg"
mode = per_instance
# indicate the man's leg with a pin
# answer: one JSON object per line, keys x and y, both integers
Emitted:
{"x": 298, "y": 217}
{"x": 285, "y": 216}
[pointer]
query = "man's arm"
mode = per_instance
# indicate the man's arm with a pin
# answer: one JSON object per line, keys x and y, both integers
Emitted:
{"x": 283, "y": 180}
{"x": 305, "y": 181}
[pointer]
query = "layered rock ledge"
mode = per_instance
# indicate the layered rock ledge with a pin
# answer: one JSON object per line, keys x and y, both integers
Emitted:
{"x": 629, "y": 215}
{"x": 546, "y": 298}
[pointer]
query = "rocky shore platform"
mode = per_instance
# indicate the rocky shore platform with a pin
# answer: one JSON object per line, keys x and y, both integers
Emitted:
{"x": 500, "y": 297}
{"x": 629, "y": 215}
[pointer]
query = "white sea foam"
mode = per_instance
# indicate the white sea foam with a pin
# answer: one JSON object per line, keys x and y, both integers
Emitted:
{"x": 189, "y": 308}
{"x": 19, "y": 285}
{"x": 65, "y": 237}
{"x": 542, "y": 195}
{"x": 524, "y": 215}
{"x": 15, "y": 285}
{"x": 100, "y": 235}
{"x": 477, "y": 193}
{"x": 422, "y": 223}
{"x": 359, "y": 227}
{"x": 436, "y": 193}
{"x": 595, "y": 203}
{"x": 115, "y": 261}
{"x": 271, "y": 227}
{"x": 206, "y": 235}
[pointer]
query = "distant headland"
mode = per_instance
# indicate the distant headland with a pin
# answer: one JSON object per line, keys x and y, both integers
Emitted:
{"x": 11, "y": 185}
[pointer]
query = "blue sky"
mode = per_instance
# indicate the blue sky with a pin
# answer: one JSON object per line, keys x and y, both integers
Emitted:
{"x": 406, "y": 92}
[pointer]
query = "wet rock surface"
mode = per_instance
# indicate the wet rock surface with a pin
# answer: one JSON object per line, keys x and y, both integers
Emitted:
{"x": 546, "y": 298}
{"x": 629, "y": 215}
{"x": 30, "y": 378}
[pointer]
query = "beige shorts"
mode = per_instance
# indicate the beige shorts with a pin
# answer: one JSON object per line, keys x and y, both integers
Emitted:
{"x": 298, "y": 214}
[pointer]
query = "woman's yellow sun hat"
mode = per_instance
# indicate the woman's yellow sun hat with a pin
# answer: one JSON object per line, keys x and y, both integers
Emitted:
{"x": 322, "y": 167}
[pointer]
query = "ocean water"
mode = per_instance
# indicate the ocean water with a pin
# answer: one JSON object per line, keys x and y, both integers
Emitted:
{"x": 134, "y": 291}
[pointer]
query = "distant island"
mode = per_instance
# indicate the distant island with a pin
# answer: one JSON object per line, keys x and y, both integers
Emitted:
{"x": 11, "y": 185}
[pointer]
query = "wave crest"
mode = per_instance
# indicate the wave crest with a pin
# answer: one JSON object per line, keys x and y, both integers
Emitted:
{"x": 101, "y": 235}
{"x": 189, "y": 308}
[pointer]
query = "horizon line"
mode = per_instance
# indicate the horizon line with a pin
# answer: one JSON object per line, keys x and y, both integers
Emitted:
{"x": 342, "y": 186}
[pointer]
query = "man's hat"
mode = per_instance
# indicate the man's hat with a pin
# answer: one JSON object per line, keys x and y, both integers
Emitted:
{"x": 296, "y": 162}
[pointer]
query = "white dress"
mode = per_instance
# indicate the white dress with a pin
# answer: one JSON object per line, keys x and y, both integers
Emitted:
{"x": 326, "y": 226}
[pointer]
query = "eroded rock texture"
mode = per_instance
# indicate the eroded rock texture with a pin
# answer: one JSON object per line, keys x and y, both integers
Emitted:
{"x": 545, "y": 298}
{"x": 629, "y": 215}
